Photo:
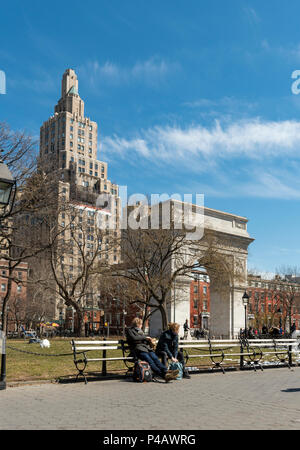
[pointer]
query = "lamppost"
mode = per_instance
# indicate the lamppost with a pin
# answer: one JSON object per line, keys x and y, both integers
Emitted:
{"x": 280, "y": 316}
{"x": 7, "y": 183}
{"x": 245, "y": 299}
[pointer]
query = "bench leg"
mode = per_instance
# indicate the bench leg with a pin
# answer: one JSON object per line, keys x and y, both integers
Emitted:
{"x": 218, "y": 366}
{"x": 81, "y": 373}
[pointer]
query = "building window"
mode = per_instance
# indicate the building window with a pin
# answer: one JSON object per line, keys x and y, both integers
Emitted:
{"x": 195, "y": 289}
{"x": 3, "y": 287}
{"x": 204, "y": 290}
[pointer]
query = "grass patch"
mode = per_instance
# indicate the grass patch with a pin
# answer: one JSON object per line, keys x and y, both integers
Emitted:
{"x": 25, "y": 367}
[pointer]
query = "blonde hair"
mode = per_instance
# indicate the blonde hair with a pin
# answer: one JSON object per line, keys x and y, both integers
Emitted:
{"x": 173, "y": 326}
{"x": 136, "y": 322}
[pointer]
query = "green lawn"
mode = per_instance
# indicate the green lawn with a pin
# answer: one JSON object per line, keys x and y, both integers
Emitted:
{"x": 25, "y": 367}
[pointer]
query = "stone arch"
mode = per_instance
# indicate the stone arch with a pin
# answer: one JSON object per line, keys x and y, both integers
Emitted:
{"x": 226, "y": 310}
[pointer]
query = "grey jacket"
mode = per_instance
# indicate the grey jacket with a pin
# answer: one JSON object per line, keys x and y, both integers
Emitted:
{"x": 137, "y": 340}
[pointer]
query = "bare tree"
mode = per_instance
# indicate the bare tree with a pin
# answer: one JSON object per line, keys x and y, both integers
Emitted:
{"x": 76, "y": 246}
{"x": 33, "y": 192}
{"x": 288, "y": 292}
{"x": 154, "y": 259}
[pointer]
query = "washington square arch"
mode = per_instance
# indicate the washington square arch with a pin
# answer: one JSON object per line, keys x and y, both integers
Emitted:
{"x": 222, "y": 252}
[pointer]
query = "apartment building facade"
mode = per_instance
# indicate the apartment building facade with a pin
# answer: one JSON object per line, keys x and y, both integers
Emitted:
{"x": 17, "y": 304}
{"x": 199, "y": 301}
{"x": 69, "y": 145}
{"x": 272, "y": 302}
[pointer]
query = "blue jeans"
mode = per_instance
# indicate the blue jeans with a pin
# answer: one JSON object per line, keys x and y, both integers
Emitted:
{"x": 157, "y": 367}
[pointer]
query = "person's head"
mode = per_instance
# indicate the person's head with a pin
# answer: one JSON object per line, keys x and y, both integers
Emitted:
{"x": 174, "y": 327}
{"x": 137, "y": 322}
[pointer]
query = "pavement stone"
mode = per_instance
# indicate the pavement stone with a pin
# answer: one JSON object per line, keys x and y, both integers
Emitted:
{"x": 237, "y": 400}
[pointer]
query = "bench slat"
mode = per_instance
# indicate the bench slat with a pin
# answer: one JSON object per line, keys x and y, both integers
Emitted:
{"x": 78, "y": 349}
{"x": 110, "y": 359}
{"x": 96, "y": 342}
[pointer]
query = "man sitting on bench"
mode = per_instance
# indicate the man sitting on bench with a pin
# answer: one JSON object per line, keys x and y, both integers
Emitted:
{"x": 140, "y": 346}
{"x": 167, "y": 347}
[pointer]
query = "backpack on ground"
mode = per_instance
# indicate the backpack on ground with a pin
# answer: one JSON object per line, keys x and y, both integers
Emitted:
{"x": 177, "y": 366}
{"x": 142, "y": 372}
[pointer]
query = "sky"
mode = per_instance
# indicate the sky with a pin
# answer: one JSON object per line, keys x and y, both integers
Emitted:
{"x": 190, "y": 97}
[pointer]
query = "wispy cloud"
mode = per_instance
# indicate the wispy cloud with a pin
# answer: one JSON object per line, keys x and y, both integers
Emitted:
{"x": 222, "y": 105}
{"x": 151, "y": 72}
{"x": 251, "y": 15}
{"x": 255, "y": 139}
{"x": 39, "y": 80}
{"x": 289, "y": 52}
{"x": 246, "y": 158}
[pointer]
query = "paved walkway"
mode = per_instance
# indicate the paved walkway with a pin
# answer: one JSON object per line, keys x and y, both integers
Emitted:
{"x": 237, "y": 400}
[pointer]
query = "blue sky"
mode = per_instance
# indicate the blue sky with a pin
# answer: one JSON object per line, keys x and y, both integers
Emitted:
{"x": 190, "y": 96}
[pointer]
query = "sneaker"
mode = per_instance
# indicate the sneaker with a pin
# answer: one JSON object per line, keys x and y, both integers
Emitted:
{"x": 186, "y": 375}
{"x": 171, "y": 375}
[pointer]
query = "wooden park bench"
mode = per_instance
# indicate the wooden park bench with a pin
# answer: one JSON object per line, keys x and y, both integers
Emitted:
{"x": 251, "y": 352}
{"x": 82, "y": 348}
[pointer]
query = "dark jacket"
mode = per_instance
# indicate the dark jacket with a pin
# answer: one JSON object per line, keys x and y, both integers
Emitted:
{"x": 168, "y": 342}
{"x": 137, "y": 340}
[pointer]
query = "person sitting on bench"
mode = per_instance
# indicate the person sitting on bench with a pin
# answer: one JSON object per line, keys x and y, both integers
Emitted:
{"x": 167, "y": 347}
{"x": 140, "y": 347}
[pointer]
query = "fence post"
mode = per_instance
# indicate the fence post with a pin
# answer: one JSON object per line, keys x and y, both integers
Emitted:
{"x": 241, "y": 357}
{"x": 3, "y": 360}
{"x": 104, "y": 362}
{"x": 290, "y": 355}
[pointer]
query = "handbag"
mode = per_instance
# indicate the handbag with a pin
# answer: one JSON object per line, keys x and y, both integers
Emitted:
{"x": 177, "y": 366}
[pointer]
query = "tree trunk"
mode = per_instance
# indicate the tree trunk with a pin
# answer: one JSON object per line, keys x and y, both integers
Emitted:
{"x": 290, "y": 316}
{"x": 4, "y": 318}
{"x": 80, "y": 324}
{"x": 164, "y": 318}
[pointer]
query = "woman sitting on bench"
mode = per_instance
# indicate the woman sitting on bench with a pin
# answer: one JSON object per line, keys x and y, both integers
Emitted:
{"x": 167, "y": 347}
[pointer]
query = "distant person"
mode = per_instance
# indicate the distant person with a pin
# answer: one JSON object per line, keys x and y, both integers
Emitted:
{"x": 140, "y": 348}
{"x": 186, "y": 329}
{"x": 167, "y": 347}
{"x": 293, "y": 328}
